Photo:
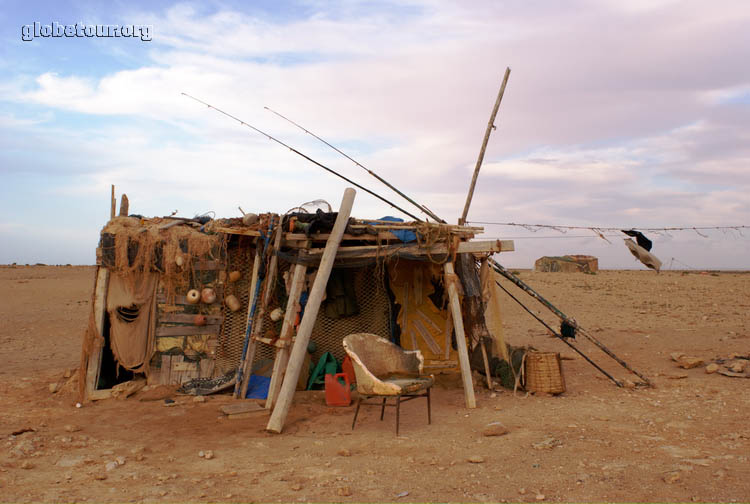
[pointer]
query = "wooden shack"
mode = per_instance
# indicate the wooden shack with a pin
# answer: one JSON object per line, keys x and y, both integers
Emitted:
{"x": 392, "y": 278}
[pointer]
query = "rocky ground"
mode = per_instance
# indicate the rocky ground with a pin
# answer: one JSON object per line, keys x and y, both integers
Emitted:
{"x": 686, "y": 439}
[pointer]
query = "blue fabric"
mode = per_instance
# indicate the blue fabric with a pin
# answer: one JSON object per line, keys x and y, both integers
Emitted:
{"x": 404, "y": 235}
{"x": 257, "y": 387}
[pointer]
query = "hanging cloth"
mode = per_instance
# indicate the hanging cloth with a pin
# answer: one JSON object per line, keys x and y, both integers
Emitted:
{"x": 131, "y": 307}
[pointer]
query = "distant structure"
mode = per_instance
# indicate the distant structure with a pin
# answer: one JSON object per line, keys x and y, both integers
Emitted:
{"x": 567, "y": 264}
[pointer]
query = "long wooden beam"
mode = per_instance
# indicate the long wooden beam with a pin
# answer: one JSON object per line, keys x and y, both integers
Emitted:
{"x": 296, "y": 358}
{"x": 488, "y": 246}
{"x": 463, "y": 353}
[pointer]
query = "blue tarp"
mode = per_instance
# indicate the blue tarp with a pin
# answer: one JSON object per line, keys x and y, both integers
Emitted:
{"x": 405, "y": 236}
{"x": 257, "y": 387}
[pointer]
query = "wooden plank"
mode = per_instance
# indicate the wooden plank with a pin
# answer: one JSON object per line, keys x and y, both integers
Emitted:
{"x": 166, "y": 369}
{"x": 101, "y": 286}
{"x": 299, "y": 350}
{"x": 98, "y": 395}
{"x": 287, "y": 328}
{"x": 486, "y": 246}
{"x": 438, "y": 364}
{"x": 187, "y": 330}
{"x": 189, "y": 318}
{"x": 185, "y": 366}
{"x": 178, "y": 300}
{"x": 207, "y": 367}
{"x": 175, "y": 374}
{"x": 458, "y": 325}
{"x": 239, "y": 408}
{"x": 236, "y": 231}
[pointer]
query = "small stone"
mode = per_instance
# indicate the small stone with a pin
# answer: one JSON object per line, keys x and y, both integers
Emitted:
{"x": 120, "y": 460}
{"x": 476, "y": 459}
{"x": 53, "y": 388}
{"x": 493, "y": 395}
{"x": 27, "y": 465}
{"x": 344, "y": 453}
{"x": 522, "y": 491}
{"x": 494, "y": 429}
{"x": 208, "y": 455}
{"x": 344, "y": 491}
{"x": 547, "y": 444}
{"x": 296, "y": 487}
{"x": 139, "y": 457}
{"x": 738, "y": 367}
{"x": 712, "y": 368}
{"x": 672, "y": 477}
{"x": 68, "y": 373}
{"x": 199, "y": 399}
{"x": 688, "y": 362}
{"x": 100, "y": 476}
{"x": 201, "y": 454}
{"x": 628, "y": 384}
{"x": 539, "y": 497}
{"x": 111, "y": 466}
{"x": 71, "y": 428}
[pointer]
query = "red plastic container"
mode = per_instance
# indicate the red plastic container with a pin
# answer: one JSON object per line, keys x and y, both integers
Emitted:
{"x": 338, "y": 394}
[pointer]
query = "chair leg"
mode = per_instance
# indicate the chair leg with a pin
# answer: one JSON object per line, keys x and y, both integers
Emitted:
{"x": 356, "y": 411}
{"x": 382, "y": 410}
{"x": 398, "y": 412}
{"x": 429, "y": 409}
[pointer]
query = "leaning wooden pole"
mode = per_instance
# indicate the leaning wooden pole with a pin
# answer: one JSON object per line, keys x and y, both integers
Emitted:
{"x": 296, "y": 358}
{"x": 458, "y": 324}
{"x": 490, "y": 127}
{"x": 287, "y": 330}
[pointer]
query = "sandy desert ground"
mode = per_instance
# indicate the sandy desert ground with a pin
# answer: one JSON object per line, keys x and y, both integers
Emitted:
{"x": 687, "y": 439}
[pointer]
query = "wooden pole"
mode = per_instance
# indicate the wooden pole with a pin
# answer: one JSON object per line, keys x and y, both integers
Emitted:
{"x": 112, "y": 203}
{"x": 287, "y": 328}
{"x": 240, "y": 389}
{"x": 490, "y": 126}
{"x": 463, "y": 354}
{"x": 284, "y": 401}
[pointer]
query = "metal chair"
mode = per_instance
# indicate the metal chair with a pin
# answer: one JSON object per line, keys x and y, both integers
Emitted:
{"x": 384, "y": 370}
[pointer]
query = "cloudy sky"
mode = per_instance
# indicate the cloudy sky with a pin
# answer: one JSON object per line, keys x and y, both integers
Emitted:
{"x": 633, "y": 114}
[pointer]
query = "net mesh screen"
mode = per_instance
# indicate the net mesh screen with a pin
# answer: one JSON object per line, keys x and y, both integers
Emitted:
{"x": 374, "y": 313}
{"x": 229, "y": 347}
{"x": 369, "y": 288}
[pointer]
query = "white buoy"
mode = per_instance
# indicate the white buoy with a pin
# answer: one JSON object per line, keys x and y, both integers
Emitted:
{"x": 193, "y": 296}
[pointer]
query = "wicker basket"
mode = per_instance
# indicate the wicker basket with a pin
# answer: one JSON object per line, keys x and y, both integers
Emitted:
{"x": 544, "y": 373}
